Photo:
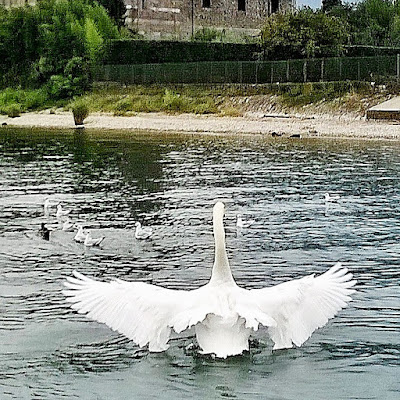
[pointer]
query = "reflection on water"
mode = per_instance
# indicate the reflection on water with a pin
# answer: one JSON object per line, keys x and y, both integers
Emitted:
{"x": 170, "y": 183}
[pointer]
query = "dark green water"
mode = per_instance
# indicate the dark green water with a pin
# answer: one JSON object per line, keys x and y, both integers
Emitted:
{"x": 171, "y": 183}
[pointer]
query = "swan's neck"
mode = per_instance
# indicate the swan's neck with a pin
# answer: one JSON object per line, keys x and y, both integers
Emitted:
{"x": 221, "y": 272}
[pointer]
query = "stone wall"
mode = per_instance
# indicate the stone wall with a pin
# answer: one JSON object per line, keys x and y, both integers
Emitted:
{"x": 181, "y": 18}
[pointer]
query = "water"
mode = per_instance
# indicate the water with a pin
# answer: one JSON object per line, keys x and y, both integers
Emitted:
{"x": 170, "y": 183}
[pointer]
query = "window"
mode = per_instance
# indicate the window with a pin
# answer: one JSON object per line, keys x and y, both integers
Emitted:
{"x": 206, "y": 3}
{"x": 274, "y": 6}
{"x": 241, "y": 5}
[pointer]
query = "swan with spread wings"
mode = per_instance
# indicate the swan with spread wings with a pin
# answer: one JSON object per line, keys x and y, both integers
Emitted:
{"x": 223, "y": 314}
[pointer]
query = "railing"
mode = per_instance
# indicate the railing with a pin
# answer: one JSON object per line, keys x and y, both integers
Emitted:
{"x": 379, "y": 69}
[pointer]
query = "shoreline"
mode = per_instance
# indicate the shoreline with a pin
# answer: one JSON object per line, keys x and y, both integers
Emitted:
{"x": 268, "y": 125}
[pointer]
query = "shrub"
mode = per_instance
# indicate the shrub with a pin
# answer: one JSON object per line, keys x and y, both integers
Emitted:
{"x": 13, "y": 110}
{"x": 173, "y": 102}
{"x": 80, "y": 111}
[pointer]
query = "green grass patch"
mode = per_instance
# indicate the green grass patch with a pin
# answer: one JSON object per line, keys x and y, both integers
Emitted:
{"x": 24, "y": 100}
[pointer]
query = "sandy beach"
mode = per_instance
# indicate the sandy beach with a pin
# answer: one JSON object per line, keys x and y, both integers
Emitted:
{"x": 343, "y": 126}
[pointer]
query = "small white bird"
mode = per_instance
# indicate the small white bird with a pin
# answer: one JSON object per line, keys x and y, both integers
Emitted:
{"x": 241, "y": 223}
{"x": 223, "y": 314}
{"x": 61, "y": 214}
{"x": 90, "y": 242}
{"x": 81, "y": 234}
{"x": 142, "y": 232}
{"x": 47, "y": 205}
{"x": 332, "y": 198}
{"x": 68, "y": 225}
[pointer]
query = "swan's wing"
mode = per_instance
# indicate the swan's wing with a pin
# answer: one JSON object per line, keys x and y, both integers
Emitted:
{"x": 301, "y": 306}
{"x": 142, "y": 312}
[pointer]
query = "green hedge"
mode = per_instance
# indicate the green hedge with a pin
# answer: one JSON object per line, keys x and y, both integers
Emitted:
{"x": 155, "y": 52}
{"x": 370, "y": 51}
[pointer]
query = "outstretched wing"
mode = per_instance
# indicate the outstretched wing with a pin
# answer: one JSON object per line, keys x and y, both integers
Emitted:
{"x": 142, "y": 312}
{"x": 301, "y": 306}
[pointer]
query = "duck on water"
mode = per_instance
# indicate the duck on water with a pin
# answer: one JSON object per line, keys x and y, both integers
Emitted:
{"x": 223, "y": 314}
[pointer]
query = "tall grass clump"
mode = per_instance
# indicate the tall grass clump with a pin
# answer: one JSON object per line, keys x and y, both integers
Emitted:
{"x": 80, "y": 111}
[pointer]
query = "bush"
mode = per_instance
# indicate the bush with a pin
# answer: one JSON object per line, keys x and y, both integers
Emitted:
{"x": 173, "y": 102}
{"x": 80, "y": 111}
{"x": 13, "y": 110}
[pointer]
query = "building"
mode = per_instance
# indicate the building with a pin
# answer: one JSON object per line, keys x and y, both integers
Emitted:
{"x": 180, "y": 19}
{"x": 183, "y": 18}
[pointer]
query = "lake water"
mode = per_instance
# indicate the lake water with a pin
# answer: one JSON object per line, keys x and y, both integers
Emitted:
{"x": 47, "y": 351}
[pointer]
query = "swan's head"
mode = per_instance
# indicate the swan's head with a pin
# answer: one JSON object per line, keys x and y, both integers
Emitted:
{"x": 138, "y": 225}
{"x": 219, "y": 208}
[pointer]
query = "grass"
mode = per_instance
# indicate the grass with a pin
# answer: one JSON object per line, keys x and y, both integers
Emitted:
{"x": 224, "y": 99}
{"x": 24, "y": 100}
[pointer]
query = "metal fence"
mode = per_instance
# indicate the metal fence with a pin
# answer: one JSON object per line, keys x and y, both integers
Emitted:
{"x": 380, "y": 68}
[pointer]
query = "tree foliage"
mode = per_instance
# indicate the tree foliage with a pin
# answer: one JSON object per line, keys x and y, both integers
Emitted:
{"x": 371, "y": 22}
{"x": 325, "y": 32}
{"x": 53, "y": 43}
{"x": 116, "y": 9}
{"x": 306, "y": 33}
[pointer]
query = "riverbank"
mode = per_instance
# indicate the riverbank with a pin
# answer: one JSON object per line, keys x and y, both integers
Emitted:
{"x": 276, "y": 125}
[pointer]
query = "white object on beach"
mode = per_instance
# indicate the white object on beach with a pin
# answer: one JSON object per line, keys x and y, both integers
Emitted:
{"x": 142, "y": 232}
{"x": 223, "y": 314}
{"x": 81, "y": 234}
{"x": 61, "y": 214}
{"x": 331, "y": 198}
{"x": 90, "y": 242}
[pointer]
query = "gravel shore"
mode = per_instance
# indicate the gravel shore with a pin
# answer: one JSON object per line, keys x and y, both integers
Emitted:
{"x": 344, "y": 126}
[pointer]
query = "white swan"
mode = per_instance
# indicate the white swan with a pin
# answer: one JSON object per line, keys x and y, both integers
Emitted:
{"x": 142, "y": 232}
{"x": 90, "y": 242}
{"x": 223, "y": 314}
{"x": 80, "y": 234}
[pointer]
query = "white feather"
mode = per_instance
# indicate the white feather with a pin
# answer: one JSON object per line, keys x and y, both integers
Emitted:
{"x": 223, "y": 314}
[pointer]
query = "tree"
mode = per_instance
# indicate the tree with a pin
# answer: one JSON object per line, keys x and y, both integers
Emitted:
{"x": 53, "y": 43}
{"x": 116, "y": 9}
{"x": 306, "y": 33}
{"x": 327, "y": 5}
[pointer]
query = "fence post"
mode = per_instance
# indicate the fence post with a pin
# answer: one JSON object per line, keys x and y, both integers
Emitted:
{"x": 272, "y": 72}
{"x": 256, "y": 72}
{"x": 358, "y": 70}
{"x": 240, "y": 72}
{"x": 226, "y": 72}
{"x": 322, "y": 71}
{"x": 287, "y": 71}
{"x": 305, "y": 71}
{"x": 340, "y": 69}
{"x": 398, "y": 67}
